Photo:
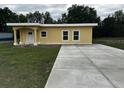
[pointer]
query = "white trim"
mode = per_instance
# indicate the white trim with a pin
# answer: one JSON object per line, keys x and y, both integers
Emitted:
{"x": 51, "y": 25}
{"x": 22, "y": 24}
{"x": 39, "y": 43}
{"x": 35, "y": 44}
{"x": 27, "y": 37}
{"x": 73, "y": 35}
{"x": 59, "y": 43}
{"x": 68, "y": 35}
{"x": 15, "y": 44}
{"x": 64, "y": 25}
{"x": 20, "y": 43}
{"x": 49, "y": 43}
{"x": 46, "y": 34}
{"x": 65, "y": 43}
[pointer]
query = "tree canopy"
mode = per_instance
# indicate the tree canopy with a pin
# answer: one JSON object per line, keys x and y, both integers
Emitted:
{"x": 111, "y": 26}
{"x": 80, "y": 14}
{"x": 7, "y": 16}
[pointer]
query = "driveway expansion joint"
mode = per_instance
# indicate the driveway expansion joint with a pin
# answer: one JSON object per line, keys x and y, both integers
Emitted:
{"x": 90, "y": 66}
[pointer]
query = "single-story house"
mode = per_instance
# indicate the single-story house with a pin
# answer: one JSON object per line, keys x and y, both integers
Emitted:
{"x": 36, "y": 33}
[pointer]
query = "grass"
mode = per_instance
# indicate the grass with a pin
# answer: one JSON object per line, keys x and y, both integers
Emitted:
{"x": 114, "y": 42}
{"x": 26, "y": 66}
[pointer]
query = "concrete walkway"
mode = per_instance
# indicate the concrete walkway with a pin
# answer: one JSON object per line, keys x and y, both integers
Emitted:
{"x": 83, "y": 66}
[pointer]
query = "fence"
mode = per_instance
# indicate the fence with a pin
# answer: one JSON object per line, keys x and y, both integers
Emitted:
{"x": 6, "y": 36}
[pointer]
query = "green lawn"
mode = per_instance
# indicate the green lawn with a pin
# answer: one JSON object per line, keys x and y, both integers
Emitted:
{"x": 27, "y": 66}
{"x": 114, "y": 42}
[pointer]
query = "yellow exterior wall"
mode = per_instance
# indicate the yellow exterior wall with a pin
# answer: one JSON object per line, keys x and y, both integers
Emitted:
{"x": 54, "y": 35}
{"x": 23, "y": 33}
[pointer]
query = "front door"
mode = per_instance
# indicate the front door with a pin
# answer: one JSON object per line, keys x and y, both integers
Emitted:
{"x": 30, "y": 38}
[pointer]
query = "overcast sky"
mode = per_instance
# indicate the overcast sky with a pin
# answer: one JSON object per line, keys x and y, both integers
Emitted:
{"x": 57, "y": 9}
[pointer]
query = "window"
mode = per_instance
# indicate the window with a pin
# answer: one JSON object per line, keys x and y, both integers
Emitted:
{"x": 75, "y": 35}
{"x": 65, "y": 35}
{"x": 44, "y": 34}
{"x": 29, "y": 33}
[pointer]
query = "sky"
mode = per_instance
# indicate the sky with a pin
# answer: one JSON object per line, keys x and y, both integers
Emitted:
{"x": 57, "y": 9}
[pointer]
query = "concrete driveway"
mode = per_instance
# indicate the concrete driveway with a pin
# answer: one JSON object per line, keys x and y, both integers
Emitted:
{"x": 87, "y": 66}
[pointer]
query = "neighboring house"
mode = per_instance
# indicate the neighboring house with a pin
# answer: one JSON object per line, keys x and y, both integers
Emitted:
{"x": 6, "y": 36}
{"x": 36, "y": 33}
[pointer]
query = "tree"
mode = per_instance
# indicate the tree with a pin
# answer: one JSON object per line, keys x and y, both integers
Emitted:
{"x": 63, "y": 19}
{"x": 81, "y": 14}
{"x": 47, "y": 18}
{"x": 38, "y": 17}
{"x": 119, "y": 16}
{"x": 59, "y": 21}
{"x": 2, "y": 20}
{"x": 7, "y": 16}
{"x": 113, "y": 26}
{"x": 108, "y": 26}
{"x": 35, "y": 17}
{"x": 22, "y": 18}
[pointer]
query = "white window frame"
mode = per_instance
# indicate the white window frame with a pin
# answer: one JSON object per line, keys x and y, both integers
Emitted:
{"x": 62, "y": 35}
{"x": 73, "y": 35}
{"x": 46, "y": 34}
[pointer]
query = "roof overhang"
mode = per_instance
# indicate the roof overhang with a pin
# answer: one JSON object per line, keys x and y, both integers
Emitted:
{"x": 23, "y": 24}
{"x": 52, "y": 25}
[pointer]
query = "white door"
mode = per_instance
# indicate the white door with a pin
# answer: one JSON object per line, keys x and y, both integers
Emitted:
{"x": 30, "y": 38}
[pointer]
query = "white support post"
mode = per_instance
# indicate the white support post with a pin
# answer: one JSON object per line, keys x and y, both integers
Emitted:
{"x": 20, "y": 34}
{"x": 35, "y": 37}
{"x": 15, "y": 37}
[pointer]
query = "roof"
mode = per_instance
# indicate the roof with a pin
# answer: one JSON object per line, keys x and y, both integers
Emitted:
{"x": 51, "y": 25}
